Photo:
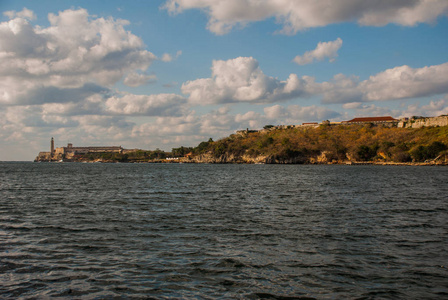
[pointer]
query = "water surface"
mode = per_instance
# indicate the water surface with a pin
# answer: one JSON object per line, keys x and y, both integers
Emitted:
{"x": 95, "y": 231}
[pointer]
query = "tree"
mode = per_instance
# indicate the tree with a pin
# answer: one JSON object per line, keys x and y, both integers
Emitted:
{"x": 366, "y": 153}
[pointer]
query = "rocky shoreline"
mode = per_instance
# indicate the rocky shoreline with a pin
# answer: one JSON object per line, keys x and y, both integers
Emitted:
{"x": 208, "y": 159}
{"x": 343, "y": 145}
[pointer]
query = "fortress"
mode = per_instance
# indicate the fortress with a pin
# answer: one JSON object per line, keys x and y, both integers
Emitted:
{"x": 387, "y": 121}
{"x": 69, "y": 152}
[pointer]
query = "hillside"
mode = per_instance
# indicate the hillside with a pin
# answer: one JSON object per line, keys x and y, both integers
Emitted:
{"x": 329, "y": 144}
{"x": 323, "y": 144}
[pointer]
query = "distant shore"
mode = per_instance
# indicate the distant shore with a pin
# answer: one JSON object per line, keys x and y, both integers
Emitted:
{"x": 355, "y": 144}
{"x": 187, "y": 161}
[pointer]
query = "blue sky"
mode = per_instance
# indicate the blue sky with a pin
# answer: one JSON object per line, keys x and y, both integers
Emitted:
{"x": 161, "y": 74}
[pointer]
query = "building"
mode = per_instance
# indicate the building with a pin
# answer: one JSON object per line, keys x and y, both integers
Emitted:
{"x": 418, "y": 122}
{"x": 69, "y": 152}
{"x": 84, "y": 150}
{"x": 311, "y": 124}
{"x": 374, "y": 120}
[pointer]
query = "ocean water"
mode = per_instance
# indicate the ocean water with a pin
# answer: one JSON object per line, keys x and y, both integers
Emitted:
{"x": 190, "y": 231}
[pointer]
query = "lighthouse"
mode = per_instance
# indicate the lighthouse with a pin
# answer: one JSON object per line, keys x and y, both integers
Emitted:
{"x": 52, "y": 146}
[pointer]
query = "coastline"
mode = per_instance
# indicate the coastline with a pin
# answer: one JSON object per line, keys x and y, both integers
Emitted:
{"x": 188, "y": 161}
{"x": 357, "y": 144}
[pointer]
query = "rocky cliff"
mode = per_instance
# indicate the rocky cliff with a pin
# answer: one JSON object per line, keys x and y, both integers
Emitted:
{"x": 424, "y": 122}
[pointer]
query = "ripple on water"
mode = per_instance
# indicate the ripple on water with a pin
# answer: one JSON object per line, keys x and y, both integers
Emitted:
{"x": 222, "y": 231}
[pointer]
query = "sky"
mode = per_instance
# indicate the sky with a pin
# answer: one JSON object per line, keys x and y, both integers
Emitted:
{"x": 161, "y": 74}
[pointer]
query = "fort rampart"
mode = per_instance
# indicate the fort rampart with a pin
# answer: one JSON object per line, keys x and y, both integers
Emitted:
{"x": 418, "y": 122}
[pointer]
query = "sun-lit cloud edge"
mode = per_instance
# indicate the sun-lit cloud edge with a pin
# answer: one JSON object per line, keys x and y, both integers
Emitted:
{"x": 298, "y": 15}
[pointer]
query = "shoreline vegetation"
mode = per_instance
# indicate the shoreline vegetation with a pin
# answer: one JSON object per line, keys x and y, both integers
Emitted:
{"x": 358, "y": 144}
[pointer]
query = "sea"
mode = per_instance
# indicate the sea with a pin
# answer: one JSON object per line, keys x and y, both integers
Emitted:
{"x": 222, "y": 231}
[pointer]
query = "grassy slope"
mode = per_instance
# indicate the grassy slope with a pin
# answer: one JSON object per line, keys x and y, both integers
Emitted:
{"x": 306, "y": 145}
{"x": 339, "y": 143}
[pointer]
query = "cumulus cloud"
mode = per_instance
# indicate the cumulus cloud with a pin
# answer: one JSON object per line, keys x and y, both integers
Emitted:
{"x": 396, "y": 83}
{"x": 31, "y": 117}
{"x": 406, "y": 82}
{"x": 166, "y": 57}
{"x": 74, "y": 51}
{"x": 241, "y": 80}
{"x": 297, "y": 15}
{"x": 296, "y": 114}
{"x": 25, "y": 13}
{"x": 323, "y": 50}
{"x": 169, "y": 58}
{"x": 146, "y": 105}
{"x": 434, "y": 108}
{"x": 118, "y": 104}
{"x": 53, "y": 94}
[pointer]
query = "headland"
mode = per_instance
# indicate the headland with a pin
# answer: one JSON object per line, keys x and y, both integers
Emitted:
{"x": 377, "y": 140}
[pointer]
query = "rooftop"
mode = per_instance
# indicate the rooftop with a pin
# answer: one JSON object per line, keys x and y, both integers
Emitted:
{"x": 372, "y": 119}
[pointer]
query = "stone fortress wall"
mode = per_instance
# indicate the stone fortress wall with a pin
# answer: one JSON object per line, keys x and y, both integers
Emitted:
{"x": 67, "y": 153}
{"x": 418, "y": 122}
{"x": 413, "y": 122}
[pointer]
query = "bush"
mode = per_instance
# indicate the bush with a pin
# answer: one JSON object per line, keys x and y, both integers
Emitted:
{"x": 422, "y": 153}
{"x": 366, "y": 153}
{"x": 435, "y": 148}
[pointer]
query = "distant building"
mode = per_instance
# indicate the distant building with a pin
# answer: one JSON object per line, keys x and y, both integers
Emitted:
{"x": 375, "y": 120}
{"x": 84, "y": 150}
{"x": 315, "y": 124}
{"x": 52, "y": 146}
{"x": 418, "y": 122}
{"x": 69, "y": 152}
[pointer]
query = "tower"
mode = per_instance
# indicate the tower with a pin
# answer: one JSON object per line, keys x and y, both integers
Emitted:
{"x": 52, "y": 146}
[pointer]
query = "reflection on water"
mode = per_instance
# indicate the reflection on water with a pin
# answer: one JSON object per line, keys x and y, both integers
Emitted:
{"x": 222, "y": 231}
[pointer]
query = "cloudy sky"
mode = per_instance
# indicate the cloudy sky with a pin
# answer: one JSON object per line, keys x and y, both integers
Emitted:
{"x": 164, "y": 73}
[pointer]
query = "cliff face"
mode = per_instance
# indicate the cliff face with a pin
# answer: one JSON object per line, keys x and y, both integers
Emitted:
{"x": 325, "y": 144}
{"x": 43, "y": 157}
{"x": 228, "y": 158}
{"x": 260, "y": 159}
{"x": 424, "y": 122}
{"x": 332, "y": 144}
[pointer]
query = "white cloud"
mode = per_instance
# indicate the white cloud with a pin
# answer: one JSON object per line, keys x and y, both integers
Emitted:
{"x": 406, "y": 82}
{"x": 31, "y": 118}
{"x": 296, "y": 114}
{"x": 25, "y": 13}
{"x": 297, "y": 15}
{"x": 169, "y": 58}
{"x": 323, "y": 50}
{"x": 75, "y": 51}
{"x": 241, "y": 80}
{"x": 396, "y": 83}
{"x": 166, "y": 57}
{"x": 147, "y": 105}
{"x": 341, "y": 89}
{"x": 433, "y": 109}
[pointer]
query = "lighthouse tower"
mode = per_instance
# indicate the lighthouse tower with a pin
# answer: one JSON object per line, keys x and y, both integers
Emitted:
{"x": 52, "y": 146}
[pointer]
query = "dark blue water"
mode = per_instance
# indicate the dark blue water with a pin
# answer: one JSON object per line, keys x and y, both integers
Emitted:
{"x": 95, "y": 231}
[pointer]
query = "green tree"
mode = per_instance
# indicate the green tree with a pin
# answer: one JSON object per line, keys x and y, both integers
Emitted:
{"x": 366, "y": 153}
